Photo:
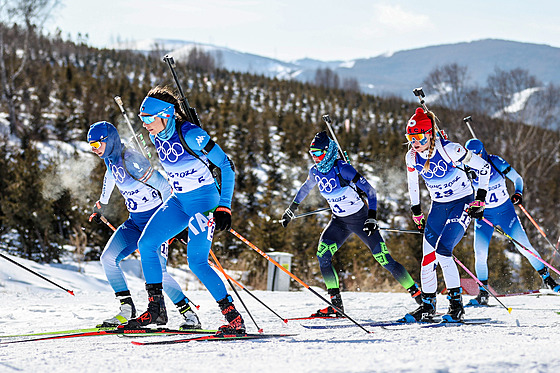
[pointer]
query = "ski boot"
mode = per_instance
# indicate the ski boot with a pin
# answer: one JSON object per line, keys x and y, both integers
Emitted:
{"x": 336, "y": 300}
{"x": 456, "y": 311}
{"x": 415, "y": 293}
{"x": 235, "y": 323}
{"x": 127, "y": 311}
{"x": 191, "y": 318}
{"x": 425, "y": 312}
{"x": 156, "y": 313}
{"x": 548, "y": 281}
{"x": 482, "y": 297}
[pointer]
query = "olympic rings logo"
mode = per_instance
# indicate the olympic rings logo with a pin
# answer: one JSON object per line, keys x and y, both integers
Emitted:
{"x": 169, "y": 151}
{"x": 118, "y": 173}
{"x": 324, "y": 184}
{"x": 436, "y": 169}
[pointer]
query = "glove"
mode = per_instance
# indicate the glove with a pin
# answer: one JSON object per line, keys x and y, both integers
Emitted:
{"x": 418, "y": 217}
{"x": 370, "y": 225}
{"x": 289, "y": 214}
{"x": 471, "y": 174}
{"x": 476, "y": 207}
{"x": 517, "y": 198}
{"x": 222, "y": 218}
{"x": 98, "y": 208}
{"x": 182, "y": 236}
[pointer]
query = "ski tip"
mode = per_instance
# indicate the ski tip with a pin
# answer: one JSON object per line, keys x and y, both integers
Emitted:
{"x": 509, "y": 310}
{"x": 137, "y": 343}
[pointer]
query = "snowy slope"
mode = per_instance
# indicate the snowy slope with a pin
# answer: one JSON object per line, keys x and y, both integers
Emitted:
{"x": 525, "y": 340}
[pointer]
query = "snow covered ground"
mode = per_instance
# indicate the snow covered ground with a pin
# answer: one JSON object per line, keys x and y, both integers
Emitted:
{"x": 526, "y": 340}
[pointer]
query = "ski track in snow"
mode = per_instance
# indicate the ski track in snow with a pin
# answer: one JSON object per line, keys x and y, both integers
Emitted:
{"x": 526, "y": 340}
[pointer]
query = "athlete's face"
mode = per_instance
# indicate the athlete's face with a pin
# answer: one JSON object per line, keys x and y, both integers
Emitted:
{"x": 101, "y": 150}
{"x": 418, "y": 147}
{"x": 156, "y": 126}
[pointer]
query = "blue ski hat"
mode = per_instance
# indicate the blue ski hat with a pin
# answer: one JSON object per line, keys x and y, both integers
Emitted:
{"x": 110, "y": 135}
{"x": 477, "y": 147}
{"x": 162, "y": 109}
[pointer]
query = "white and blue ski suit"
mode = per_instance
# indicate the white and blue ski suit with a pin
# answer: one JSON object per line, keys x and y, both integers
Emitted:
{"x": 339, "y": 187}
{"x": 194, "y": 199}
{"x": 143, "y": 189}
{"x": 451, "y": 192}
{"x": 499, "y": 211}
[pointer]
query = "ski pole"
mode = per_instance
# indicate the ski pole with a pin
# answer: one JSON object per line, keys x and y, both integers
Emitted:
{"x": 304, "y": 214}
{"x": 400, "y": 230}
{"x": 499, "y": 230}
{"x": 419, "y": 92}
{"x": 467, "y": 120}
{"x": 35, "y": 273}
{"x": 248, "y": 243}
{"x": 480, "y": 283}
{"x": 189, "y": 111}
{"x": 143, "y": 149}
{"x": 241, "y": 286}
{"x": 328, "y": 121}
{"x": 235, "y": 290}
{"x": 537, "y": 226}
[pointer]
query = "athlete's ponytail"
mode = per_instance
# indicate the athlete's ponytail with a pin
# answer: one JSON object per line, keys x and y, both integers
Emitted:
{"x": 433, "y": 118}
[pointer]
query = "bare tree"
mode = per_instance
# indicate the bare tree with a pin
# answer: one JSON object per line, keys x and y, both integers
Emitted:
{"x": 351, "y": 84}
{"x": 327, "y": 78}
{"x": 201, "y": 60}
{"x": 450, "y": 84}
{"x": 19, "y": 19}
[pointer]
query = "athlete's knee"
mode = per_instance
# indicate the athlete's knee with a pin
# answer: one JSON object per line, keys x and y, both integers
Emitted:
{"x": 383, "y": 257}
{"x": 326, "y": 249}
{"x": 108, "y": 259}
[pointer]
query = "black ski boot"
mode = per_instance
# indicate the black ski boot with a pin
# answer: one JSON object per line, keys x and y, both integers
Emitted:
{"x": 191, "y": 318}
{"x": 127, "y": 311}
{"x": 425, "y": 312}
{"x": 156, "y": 313}
{"x": 548, "y": 281}
{"x": 456, "y": 311}
{"x": 415, "y": 293}
{"x": 336, "y": 300}
{"x": 482, "y": 297}
{"x": 235, "y": 323}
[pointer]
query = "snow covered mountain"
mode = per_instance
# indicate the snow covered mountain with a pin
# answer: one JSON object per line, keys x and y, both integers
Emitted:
{"x": 387, "y": 74}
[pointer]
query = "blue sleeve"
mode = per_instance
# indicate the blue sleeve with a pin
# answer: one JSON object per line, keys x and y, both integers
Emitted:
{"x": 348, "y": 173}
{"x": 141, "y": 169}
{"x": 196, "y": 138}
{"x": 509, "y": 172}
{"x": 305, "y": 188}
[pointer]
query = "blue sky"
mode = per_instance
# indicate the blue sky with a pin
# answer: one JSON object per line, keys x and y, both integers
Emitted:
{"x": 325, "y": 30}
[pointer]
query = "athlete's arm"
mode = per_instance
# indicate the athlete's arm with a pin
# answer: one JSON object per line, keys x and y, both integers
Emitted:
{"x": 412, "y": 178}
{"x": 305, "y": 188}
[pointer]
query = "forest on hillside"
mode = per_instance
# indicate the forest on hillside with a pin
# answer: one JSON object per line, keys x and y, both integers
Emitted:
{"x": 55, "y": 88}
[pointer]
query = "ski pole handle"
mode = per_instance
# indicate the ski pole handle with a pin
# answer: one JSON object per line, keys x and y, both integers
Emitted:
{"x": 467, "y": 120}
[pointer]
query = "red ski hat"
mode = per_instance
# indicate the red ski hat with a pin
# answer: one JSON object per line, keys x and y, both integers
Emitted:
{"x": 419, "y": 123}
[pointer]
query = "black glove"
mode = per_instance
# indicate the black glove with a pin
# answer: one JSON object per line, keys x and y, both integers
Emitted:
{"x": 289, "y": 214}
{"x": 97, "y": 212}
{"x": 517, "y": 198}
{"x": 476, "y": 207}
{"x": 370, "y": 225}
{"x": 222, "y": 218}
{"x": 182, "y": 236}
{"x": 418, "y": 217}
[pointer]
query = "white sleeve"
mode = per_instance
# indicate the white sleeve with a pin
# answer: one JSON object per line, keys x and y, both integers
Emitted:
{"x": 458, "y": 153}
{"x": 412, "y": 177}
{"x": 108, "y": 186}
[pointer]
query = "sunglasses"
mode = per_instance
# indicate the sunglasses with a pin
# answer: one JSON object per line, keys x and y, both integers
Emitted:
{"x": 317, "y": 153}
{"x": 148, "y": 119}
{"x": 419, "y": 137}
{"x": 97, "y": 144}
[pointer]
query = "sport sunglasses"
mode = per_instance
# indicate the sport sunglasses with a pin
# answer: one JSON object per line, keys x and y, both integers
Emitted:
{"x": 317, "y": 153}
{"x": 97, "y": 144}
{"x": 420, "y": 137}
{"x": 151, "y": 118}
